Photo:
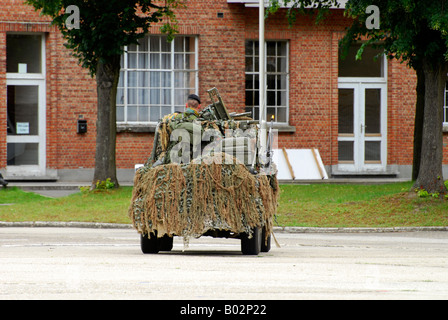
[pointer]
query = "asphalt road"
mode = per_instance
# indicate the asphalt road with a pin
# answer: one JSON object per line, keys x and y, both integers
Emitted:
{"x": 77, "y": 263}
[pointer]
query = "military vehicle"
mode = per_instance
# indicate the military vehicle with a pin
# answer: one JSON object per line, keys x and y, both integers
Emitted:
{"x": 207, "y": 177}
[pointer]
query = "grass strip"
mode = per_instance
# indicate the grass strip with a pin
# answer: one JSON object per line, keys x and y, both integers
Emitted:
{"x": 315, "y": 205}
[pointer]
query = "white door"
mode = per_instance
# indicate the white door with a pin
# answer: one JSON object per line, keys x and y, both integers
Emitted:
{"x": 26, "y": 104}
{"x": 362, "y": 136}
{"x": 26, "y": 150}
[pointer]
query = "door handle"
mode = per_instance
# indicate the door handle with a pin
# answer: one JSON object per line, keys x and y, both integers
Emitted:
{"x": 363, "y": 127}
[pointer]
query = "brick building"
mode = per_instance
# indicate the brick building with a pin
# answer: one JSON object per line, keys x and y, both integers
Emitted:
{"x": 359, "y": 115}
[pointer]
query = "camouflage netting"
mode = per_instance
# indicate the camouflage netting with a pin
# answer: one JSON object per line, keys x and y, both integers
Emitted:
{"x": 208, "y": 193}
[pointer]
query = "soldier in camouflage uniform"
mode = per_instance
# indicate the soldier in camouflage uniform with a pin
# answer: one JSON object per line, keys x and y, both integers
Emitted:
{"x": 185, "y": 122}
{"x": 192, "y": 111}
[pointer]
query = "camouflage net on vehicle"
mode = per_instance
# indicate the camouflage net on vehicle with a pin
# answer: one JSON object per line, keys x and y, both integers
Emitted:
{"x": 207, "y": 194}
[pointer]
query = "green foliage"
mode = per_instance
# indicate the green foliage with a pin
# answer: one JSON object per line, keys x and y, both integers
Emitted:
{"x": 106, "y": 26}
{"x": 422, "y": 193}
{"x": 99, "y": 186}
{"x": 105, "y": 185}
{"x": 320, "y": 8}
{"x": 84, "y": 189}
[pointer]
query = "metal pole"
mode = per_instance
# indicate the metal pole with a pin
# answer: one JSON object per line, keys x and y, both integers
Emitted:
{"x": 262, "y": 89}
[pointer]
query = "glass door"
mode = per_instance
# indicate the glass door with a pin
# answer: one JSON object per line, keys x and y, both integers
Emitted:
{"x": 26, "y": 104}
{"x": 25, "y": 127}
{"x": 373, "y": 128}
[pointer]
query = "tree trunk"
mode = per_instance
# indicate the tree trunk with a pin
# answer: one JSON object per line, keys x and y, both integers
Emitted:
{"x": 430, "y": 175}
{"x": 418, "y": 128}
{"x": 107, "y": 77}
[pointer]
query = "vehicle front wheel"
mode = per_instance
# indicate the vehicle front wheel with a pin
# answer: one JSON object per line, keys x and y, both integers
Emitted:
{"x": 251, "y": 246}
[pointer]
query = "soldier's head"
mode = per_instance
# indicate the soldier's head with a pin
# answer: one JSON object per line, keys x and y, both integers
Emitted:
{"x": 194, "y": 102}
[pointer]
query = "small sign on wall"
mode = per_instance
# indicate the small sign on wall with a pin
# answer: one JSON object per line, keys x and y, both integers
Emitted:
{"x": 23, "y": 128}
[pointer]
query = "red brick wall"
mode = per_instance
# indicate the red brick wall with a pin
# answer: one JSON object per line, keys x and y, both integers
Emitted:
{"x": 401, "y": 113}
{"x": 72, "y": 94}
{"x": 313, "y": 83}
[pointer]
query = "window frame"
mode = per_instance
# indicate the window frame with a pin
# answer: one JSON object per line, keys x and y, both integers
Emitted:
{"x": 256, "y": 72}
{"x": 126, "y": 69}
{"x": 30, "y": 76}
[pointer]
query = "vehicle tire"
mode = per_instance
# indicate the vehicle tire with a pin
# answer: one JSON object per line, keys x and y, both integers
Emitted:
{"x": 265, "y": 243}
{"x": 149, "y": 243}
{"x": 165, "y": 243}
{"x": 251, "y": 246}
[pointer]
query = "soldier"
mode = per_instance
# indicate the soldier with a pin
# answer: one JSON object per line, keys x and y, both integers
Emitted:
{"x": 193, "y": 106}
{"x": 3, "y": 182}
{"x": 179, "y": 123}
{"x": 192, "y": 111}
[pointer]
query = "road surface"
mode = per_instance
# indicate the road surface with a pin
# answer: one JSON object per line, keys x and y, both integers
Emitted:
{"x": 83, "y": 263}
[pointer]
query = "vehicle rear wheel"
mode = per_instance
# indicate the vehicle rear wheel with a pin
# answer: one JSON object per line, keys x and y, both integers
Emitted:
{"x": 251, "y": 246}
{"x": 265, "y": 243}
{"x": 165, "y": 243}
{"x": 148, "y": 243}
{"x": 152, "y": 244}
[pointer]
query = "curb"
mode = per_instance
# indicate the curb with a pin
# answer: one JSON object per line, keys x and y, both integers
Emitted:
{"x": 356, "y": 230}
{"x": 43, "y": 224}
{"x": 292, "y": 230}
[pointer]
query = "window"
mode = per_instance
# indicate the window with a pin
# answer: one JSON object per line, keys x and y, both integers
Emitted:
{"x": 277, "y": 77}
{"x": 156, "y": 78}
{"x": 24, "y": 53}
{"x": 371, "y": 64}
